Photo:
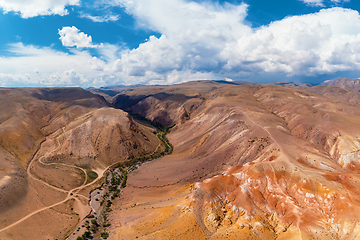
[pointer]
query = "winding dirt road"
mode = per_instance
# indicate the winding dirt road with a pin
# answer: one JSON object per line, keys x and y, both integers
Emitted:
{"x": 71, "y": 194}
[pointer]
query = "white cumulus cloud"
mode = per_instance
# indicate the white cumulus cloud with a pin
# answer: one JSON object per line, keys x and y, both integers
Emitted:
{"x": 197, "y": 41}
{"x": 196, "y": 20}
{"x": 212, "y": 38}
{"x": 300, "y": 45}
{"x": 33, "y": 8}
{"x": 34, "y": 66}
{"x": 193, "y": 36}
{"x": 71, "y": 37}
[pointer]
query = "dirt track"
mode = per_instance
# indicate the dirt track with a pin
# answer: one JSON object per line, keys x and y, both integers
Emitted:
{"x": 71, "y": 194}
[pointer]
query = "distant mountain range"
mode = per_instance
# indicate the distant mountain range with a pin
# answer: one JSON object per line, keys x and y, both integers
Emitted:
{"x": 346, "y": 83}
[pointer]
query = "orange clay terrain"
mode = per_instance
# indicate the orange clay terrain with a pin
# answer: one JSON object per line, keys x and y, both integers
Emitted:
{"x": 249, "y": 161}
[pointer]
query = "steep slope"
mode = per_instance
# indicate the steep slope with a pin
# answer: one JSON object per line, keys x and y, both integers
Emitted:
{"x": 165, "y": 104}
{"x": 24, "y": 113}
{"x": 97, "y": 139}
{"x": 251, "y": 162}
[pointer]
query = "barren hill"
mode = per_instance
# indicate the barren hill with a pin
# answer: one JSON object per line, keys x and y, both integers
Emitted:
{"x": 250, "y": 162}
{"x": 346, "y": 83}
{"x": 50, "y": 139}
{"x": 166, "y": 104}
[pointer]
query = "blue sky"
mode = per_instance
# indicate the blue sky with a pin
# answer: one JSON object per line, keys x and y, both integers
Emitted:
{"x": 111, "y": 42}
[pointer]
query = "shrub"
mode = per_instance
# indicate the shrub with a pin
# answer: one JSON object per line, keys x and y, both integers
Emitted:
{"x": 104, "y": 235}
{"x": 92, "y": 175}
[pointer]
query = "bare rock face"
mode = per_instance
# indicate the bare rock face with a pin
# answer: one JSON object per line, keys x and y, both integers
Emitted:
{"x": 346, "y": 152}
{"x": 251, "y": 195}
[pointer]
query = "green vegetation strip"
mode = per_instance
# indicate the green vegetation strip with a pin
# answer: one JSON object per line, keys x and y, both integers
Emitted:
{"x": 117, "y": 180}
{"x": 168, "y": 150}
{"x": 123, "y": 184}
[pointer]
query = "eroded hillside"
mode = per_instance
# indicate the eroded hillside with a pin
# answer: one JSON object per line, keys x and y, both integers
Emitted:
{"x": 55, "y": 145}
{"x": 250, "y": 162}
